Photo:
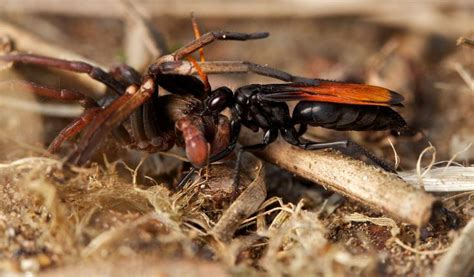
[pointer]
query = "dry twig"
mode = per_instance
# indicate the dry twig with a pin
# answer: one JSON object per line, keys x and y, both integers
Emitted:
{"x": 443, "y": 179}
{"x": 246, "y": 204}
{"x": 352, "y": 178}
{"x": 465, "y": 41}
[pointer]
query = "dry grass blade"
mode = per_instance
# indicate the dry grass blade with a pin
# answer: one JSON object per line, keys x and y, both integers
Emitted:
{"x": 30, "y": 162}
{"x": 458, "y": 261}
{"x": 465, "y": 75}
{"x": 114, "y": 236}
{"x": 297, "y": 245}
{"x": 381, "y": 221}
{"x": 394, "y": 230}
{"x": 444, "y": 179}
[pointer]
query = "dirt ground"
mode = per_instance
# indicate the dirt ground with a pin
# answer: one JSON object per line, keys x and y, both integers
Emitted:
{"x": 120, "y": 215}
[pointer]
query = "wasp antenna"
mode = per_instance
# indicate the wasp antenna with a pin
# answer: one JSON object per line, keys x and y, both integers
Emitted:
{"x": 197, "y": 35}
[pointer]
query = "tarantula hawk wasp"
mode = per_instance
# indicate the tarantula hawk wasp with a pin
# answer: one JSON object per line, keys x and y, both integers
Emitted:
{"x": 328, "y": 104}
{"x": 155, "y": 122}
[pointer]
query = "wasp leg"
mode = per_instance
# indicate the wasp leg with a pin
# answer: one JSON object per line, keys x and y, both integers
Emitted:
{"x": 383, "y": 164}
{"x": 229, "y": 67}
{"x": 270, "y": 136}
{"x": 186, "y": 178}
{"x": 75, "y": 66}
{"x": 292, "y": 136}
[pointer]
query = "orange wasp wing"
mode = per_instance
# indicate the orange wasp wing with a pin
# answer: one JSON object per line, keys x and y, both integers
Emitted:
{"x": 334, "y": 92}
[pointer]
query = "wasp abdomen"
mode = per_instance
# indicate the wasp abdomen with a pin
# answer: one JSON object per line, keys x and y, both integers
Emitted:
{"x": 345, "y": 117}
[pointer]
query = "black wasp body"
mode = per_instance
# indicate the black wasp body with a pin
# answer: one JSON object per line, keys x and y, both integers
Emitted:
{"x": 343, "y": 117}
{"x": 265, "y": 107}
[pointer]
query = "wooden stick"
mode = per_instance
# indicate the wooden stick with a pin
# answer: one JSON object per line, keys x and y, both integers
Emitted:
{"x": 458, "y": 261}
{"x": 352, "y": 178}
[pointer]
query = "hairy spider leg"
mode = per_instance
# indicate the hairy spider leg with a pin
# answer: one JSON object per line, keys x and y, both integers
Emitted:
{"x": 94, "y": 72}
{"x": 231, "y": 67}
{"x": 110, "y": 117}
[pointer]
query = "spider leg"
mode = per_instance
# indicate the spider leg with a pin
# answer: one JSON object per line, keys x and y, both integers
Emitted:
{"x": 207, "y": 38}
{"x": 224, "y": 67}
{"x": 126, "y": 74}
{"x": 210, "y": 37}
{"x": 111, "y": 117}
{"x": 73, "y": 128}
{"x": 269, "y": 136}
{"x": 74, "y": 66}
{"x": 91, "y": 109}
{"x": 144, "y": 123}
{"x": 53, "y": 93}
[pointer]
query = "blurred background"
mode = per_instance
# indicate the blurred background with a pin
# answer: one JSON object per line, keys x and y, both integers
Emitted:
{"x": 407, "y": 46}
